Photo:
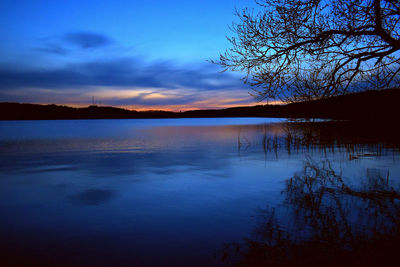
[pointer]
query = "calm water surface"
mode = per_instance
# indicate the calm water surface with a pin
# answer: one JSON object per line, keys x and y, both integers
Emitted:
{"x": 193, "y": 191}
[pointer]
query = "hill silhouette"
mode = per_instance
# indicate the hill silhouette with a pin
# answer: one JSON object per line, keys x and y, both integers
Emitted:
{"x": 369, "y": 105}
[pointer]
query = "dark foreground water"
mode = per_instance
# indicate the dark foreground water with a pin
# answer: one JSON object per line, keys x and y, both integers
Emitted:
{"x": 198, "y": 192}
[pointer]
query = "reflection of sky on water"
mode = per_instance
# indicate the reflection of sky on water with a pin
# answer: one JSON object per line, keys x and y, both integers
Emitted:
{"x": 130, "y": 189}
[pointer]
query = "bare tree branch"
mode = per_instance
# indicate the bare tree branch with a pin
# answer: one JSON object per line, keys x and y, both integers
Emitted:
{"x": 333, "y": 44}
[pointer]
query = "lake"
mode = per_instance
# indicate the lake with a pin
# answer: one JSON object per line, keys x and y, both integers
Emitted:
{"x": 196, "y": 192}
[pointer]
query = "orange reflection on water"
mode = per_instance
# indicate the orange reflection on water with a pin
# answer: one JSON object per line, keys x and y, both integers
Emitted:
{"x": 215, "y": 133}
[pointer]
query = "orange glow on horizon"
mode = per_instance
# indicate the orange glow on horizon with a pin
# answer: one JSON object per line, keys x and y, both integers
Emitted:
{"x": 194, "y": 106}
{"x": 200, "y": 105}
{"x": 148, "y": 98}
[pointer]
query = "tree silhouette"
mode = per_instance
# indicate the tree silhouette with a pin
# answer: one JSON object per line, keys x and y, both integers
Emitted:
{"x": 297, "y": 50}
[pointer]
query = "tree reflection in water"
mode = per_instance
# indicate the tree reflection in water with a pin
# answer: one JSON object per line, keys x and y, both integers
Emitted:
{"x": 357, "y": 140}
{"x": 326, "y": 221}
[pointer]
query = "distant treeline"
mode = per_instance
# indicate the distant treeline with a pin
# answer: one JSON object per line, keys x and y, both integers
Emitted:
{"x": 381, "y": 105}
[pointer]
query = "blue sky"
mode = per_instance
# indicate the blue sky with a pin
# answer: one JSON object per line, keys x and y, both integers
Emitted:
{"x": 134, "y": 54}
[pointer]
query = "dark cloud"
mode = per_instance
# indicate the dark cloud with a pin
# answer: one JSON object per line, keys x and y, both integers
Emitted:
{"x": 86, "y": 40}
{"x": 10, "y": 79}
{"x": 70, "y": 42}
{"x": 123, "y": 72}
{"x": 93, "y": 197}
{"x": 53, "y": 49}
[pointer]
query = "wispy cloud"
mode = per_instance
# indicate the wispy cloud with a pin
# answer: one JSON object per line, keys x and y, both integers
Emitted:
{"x": 53, "y": 49}
{"x": 86, "y": 40}
{"x": 129, "y": 72}
{"x": 132, "y": 82}
{"x": 73, "y": 41}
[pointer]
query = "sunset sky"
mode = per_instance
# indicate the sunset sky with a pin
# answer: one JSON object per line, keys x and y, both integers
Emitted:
{"x": 132, "y": 54}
